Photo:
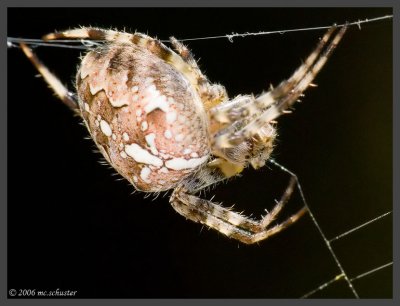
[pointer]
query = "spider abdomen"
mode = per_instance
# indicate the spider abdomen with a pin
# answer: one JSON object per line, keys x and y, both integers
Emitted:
{"x": 143, "y": 114}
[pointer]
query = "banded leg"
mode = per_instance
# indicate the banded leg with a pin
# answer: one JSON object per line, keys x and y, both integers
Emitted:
{"x": 230, "y": 223}
{"x": 291, "y": 91}
{"x": 231, "y": 111}
{"x": 185, "y": 63}
{"x": 59, "y": 89}
{"x": 184, "y": 52}
{"x": 138, "y": 39}
{"x": 290, "y": 96}
{"x": 211, "y": 94}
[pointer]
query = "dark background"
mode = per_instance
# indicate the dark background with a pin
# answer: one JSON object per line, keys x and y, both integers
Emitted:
{"x": 73, "y": 225}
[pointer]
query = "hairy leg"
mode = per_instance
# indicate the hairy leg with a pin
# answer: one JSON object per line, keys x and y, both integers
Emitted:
{"x": 55, "y": 84}
{"x": 211, "y": 94}
{"x": 230, "y": 223}
{"x": 231, "y": 111}
{"x": 138, "y": 39}
{"x": 289, "y": 91}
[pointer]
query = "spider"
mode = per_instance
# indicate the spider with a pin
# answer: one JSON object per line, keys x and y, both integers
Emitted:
{"x": 162, "y": 125}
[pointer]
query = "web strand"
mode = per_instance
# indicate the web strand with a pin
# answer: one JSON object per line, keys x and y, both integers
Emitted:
{"x": 323, "y": 286}
{"x": 12, "y": 42}
{"x": 340, "y": 277}
{"x": 372, "y": 271}
{"x": 343, "y": 276}
{"x": 234, "y": 35}
{"x": 314, "y": 220}
{"x": 360, "y": 226}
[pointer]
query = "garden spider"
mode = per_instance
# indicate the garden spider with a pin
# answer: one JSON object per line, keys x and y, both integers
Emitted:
{"x": 162, "y": 125}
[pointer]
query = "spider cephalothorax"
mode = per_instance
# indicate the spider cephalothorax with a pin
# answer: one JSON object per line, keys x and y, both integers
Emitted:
{"x": 162, "y": 125}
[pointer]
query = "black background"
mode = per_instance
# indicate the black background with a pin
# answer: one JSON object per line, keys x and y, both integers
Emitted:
{"x": 72, "y": 225}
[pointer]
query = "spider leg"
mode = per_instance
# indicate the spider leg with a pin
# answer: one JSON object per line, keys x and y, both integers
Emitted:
{"x": 184, "y": 52}
{"x": 235, "y": 110}
{"x": 138, "y": 39}
{"x": 230, "y": 223}
{"x": 211, "y": 94}
{"x": 231, "y": 138}
{"x": 285, "y": 98}
{"x": 59, "y": 89}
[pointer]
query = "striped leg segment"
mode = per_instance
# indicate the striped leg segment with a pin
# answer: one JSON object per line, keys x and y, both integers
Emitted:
{"x": 186, "y": 64}
{"x": 184, "y": 52}
{"x": 232, "y": 111}
{"x": 287, "y": 94}
{"x": 230, "y": 223}
{"x": 267, "y": 107}
{"x": 211, "y": 94}
{"x": 59, "y": 89}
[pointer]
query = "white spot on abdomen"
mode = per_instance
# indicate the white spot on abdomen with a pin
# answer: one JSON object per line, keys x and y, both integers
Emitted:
{"x": 168, "y": 134}
{"x": 164, "y": 170}
{"x": 142, "y": 156}
{"x": 125, "y": 136}
{"x": 154, "y": 100}
{"x": 171, "y": 117}
{"x": 105, "y": 128}
{"x": 181, "y": 163}
{"x": 144, "y": 174}
{"x": 151, "y": 143}
{"x": 123, "y": 154}
{"x": 144, "y": 126}
{"x": 118, "y": 103}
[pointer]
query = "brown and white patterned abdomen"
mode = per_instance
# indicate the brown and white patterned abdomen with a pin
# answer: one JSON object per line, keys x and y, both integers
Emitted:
{"x": 145, "y": 116}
